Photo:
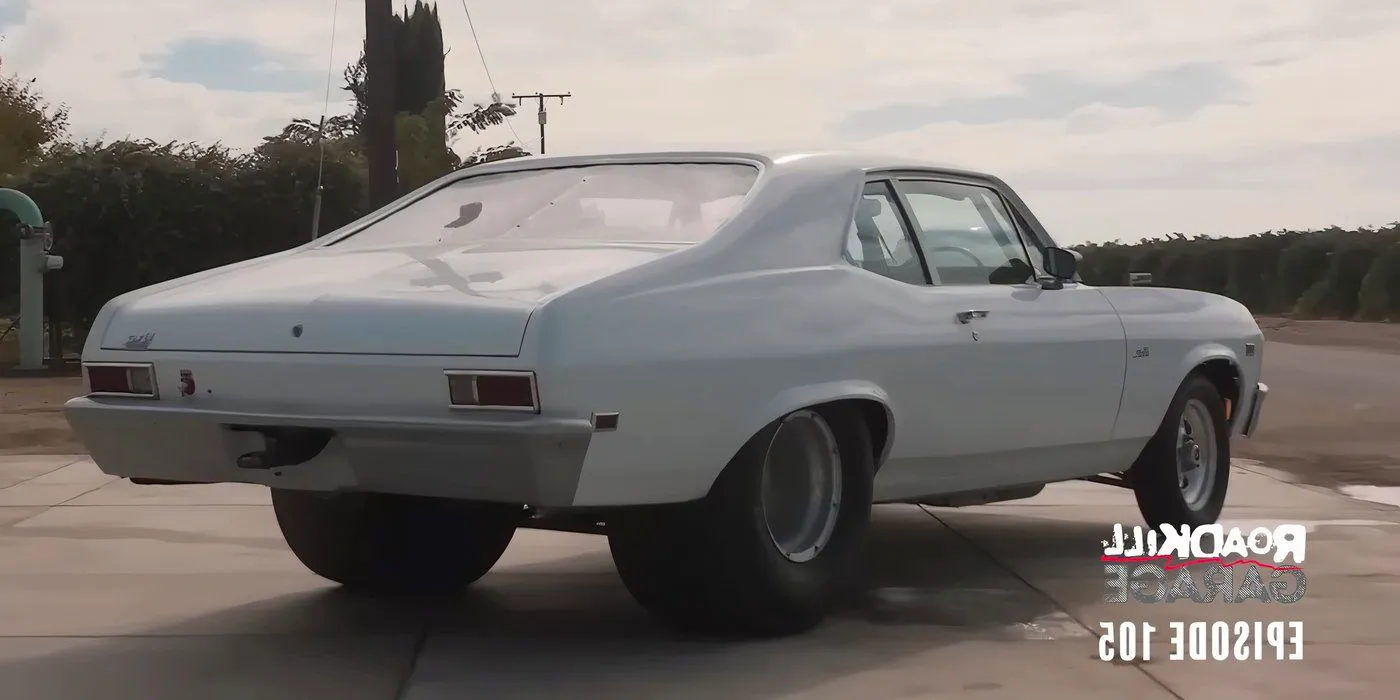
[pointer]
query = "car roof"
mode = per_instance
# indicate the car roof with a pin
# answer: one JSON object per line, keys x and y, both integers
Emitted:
{"x": 811, "y": 162}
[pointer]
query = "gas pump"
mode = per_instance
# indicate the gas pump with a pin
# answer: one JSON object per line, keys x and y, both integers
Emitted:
{"x": 35, "y": 242}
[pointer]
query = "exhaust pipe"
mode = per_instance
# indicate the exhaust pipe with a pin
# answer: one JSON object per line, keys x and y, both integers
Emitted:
{"x": 284, "y": 447}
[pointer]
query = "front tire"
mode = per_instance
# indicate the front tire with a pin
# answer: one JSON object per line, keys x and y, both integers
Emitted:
{"x": 1184, "y": 471}
{"x": 772, "y": 545}
{"x": 385, "y": 544}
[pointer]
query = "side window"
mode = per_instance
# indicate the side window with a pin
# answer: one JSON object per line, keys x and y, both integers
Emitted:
{"x": 966, "y": 234}
{"x": 878, "y": 240}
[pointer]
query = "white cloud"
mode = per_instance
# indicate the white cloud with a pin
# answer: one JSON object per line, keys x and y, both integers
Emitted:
{"x": 784, "y": 72}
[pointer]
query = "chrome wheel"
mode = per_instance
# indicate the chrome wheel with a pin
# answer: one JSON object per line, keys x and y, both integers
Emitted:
{"x": 801, "y": 487}
{"x": 1196, "y": 454}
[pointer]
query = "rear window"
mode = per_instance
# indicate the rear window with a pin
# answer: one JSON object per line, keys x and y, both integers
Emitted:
{"x": 680, "y": 202}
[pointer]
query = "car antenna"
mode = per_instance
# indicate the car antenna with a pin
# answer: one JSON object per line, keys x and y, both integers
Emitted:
{"x": 321, "y": 130}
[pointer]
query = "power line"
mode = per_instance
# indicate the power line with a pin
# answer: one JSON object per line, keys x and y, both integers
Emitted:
{"x": 495, "y": 94}
{"x": 479, "y": 52}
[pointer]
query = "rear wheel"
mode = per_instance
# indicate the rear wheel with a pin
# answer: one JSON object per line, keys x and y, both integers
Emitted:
{"x": 390, "y": 544}
{"x": 1182, "y": 474}
{"x": 774, "y": 542}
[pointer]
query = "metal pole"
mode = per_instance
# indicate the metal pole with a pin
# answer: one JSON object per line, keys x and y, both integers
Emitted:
{"x": 543, "y": 114}
{"x": 35, "y": 241}
{"x": 544, "y": 117}
{"x": 320, "y": 174}
{"x": 381, "y": 149}
{"x": 316, "y": 215}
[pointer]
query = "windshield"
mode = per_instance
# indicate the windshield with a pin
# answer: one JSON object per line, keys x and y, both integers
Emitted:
{"x": 681, "y": 202}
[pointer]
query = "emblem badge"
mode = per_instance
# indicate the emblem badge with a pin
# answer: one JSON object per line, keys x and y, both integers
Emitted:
{"x": 139, "y": 342}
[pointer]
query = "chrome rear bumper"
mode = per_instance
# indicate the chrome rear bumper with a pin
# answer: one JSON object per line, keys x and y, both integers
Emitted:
{"x": 510, "y": 458}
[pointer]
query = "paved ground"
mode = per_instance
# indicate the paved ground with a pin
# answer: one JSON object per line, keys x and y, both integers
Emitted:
{"x": 113, "y": 591}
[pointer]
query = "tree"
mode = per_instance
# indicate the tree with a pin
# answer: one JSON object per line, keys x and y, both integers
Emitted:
{"x": 29, "y": 124}
{"x": 418, "y": 47}
{"x": 431, "y": 118}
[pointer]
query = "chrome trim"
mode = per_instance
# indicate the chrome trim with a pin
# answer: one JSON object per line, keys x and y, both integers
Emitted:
{"x": 150, "y": 368}
{"x": 593, "y": 421}
{"x": 534, "y": 390}
{"x": 1251, "y": 422}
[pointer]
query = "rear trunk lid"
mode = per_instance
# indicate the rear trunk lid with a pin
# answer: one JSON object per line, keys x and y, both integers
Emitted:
{"x": 406, "y": 301}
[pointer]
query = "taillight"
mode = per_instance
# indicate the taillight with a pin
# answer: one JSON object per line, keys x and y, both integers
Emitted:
{"x": 119, "y": 379}
{"x": 504, "y": 391}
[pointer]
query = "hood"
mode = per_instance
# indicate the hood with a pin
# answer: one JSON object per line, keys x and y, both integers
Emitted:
{"x": 416, "y": 301}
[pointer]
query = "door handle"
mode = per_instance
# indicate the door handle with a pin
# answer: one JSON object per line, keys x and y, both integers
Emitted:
{"x": 967, "y": 316}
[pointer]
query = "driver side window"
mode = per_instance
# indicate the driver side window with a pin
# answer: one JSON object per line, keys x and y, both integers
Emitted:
{"x": 878, "y": 241}
{"x": 964, "y": 233}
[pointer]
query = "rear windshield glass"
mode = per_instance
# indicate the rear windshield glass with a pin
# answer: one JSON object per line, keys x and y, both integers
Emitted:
{"x": 681, "y": 203}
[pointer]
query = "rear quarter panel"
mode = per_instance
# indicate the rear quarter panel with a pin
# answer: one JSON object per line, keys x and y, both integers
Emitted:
{"x": 701, "y": 348}
{"x": 695, "y": 370}
{"x": 1171, "y": 332}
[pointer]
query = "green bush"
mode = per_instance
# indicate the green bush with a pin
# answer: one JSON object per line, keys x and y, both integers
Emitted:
{"x": 128, "y": 214}
{"x": 1379, "y": 296}
{"x": 1105, "y": 264}
{"x": 1333, "y": 273}
{"x": 1335, "y": 294}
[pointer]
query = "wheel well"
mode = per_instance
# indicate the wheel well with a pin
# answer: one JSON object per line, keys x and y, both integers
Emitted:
{"x": 877, "y": 417}
{"x": 1226, "y": 378}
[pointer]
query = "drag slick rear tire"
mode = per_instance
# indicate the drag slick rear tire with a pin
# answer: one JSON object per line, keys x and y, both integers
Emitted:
{"x": 385, "y": 544}
{"x": 767, "y": 552}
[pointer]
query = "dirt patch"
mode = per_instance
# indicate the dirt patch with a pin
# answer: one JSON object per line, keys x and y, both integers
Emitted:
{"x": 31, "y": 415}
{"x": 1362, "y": 453}
{"x": 1383, "y": 337}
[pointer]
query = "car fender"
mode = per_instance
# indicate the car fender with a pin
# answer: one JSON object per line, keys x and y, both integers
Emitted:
{"x": 1205, "y": 352}
{"x": 1164, "y": 386}
{"x": 799, "y": 397}
{"x": 679, "y": 465}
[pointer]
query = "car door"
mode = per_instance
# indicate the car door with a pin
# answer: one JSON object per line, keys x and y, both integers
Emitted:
{"x": 1039, "y": 392}
{"x": 914, "y": 350}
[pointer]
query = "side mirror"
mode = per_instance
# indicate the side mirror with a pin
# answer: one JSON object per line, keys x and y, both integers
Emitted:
{"x": 1062, "y": 264}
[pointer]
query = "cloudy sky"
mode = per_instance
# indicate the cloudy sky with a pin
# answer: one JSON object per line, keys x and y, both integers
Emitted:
{"x": 1113, "y": 119}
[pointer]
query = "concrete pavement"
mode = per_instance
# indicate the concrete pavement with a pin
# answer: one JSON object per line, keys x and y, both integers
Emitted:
{"x": 114, "y": 591}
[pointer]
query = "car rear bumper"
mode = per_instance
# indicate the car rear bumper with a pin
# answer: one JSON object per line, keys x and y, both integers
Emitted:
{"x": 527, "y": 459}
{"x": 1256, "y": 407}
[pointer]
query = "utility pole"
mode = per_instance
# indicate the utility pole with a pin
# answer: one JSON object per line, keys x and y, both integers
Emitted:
{"x": 540, "y": 97}
{"x": 381, "y": 149}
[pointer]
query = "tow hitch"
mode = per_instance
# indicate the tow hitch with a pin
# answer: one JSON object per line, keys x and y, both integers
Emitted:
{"x": 283, "y": 447}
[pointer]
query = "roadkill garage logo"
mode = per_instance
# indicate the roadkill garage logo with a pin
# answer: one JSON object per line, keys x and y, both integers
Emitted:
{"x": 1205, "y": 564}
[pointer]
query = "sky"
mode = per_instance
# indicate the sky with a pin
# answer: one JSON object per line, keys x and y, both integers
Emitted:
{"x": 1114, "y": 120}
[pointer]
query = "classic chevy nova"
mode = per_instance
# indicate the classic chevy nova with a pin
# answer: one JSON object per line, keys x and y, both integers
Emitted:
{"x": 719, "y": 360}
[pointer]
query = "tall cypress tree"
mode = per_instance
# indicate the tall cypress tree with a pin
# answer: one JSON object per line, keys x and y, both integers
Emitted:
{"x": 420, "y": 61}
{"x": 422, "y": 103}
{"x": 428, "y": 114}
